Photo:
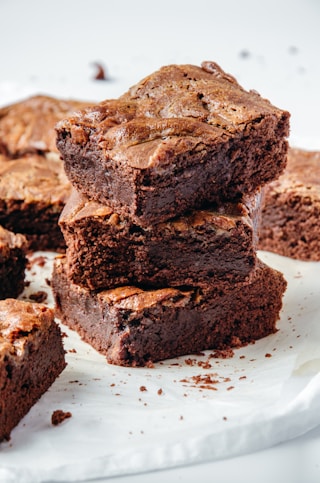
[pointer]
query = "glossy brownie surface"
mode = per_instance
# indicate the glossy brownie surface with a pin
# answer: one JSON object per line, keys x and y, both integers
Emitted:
{"x": 182, "y": 136}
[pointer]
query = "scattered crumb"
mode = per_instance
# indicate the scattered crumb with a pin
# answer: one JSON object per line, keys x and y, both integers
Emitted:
{"x": 27, "y": 283}
{"x": 58, "y": 416}
{"x": 48, "y": 282}
{"x": 40, "y": 261}
{"x": 73, "y": 351}
{"x": 225, "y": 418}
{"x": 222, "y": 354}
{"x": 181, "y": 418}
{"x": 230, "y": 388}
{"x": 143, "y": 388}
{"x": 39, "y": 296}
{"x": 242, "y": 377}
{"x": 268, "y": 355}
{"x": 160, "y": 392}
{"x": 100, "y": 72}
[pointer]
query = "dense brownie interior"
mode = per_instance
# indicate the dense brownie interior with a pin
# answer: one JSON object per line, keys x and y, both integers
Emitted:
{"x": 183, "y": 136}
{"x": 136, "y": 327}
{"x": 31, "y": 358}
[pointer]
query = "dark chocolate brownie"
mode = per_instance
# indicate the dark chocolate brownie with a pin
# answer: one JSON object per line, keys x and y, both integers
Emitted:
{"x": 28, "y": 125}
{"x": 33, "y": 192}
{"x": 135, "y": 327}
{"x": 183, "y": 136}
{"x": 204, "y": 247}
{"x": 13, "y": 263}
{"x": 291, "y": 214}
{"x": 31, "y": 358}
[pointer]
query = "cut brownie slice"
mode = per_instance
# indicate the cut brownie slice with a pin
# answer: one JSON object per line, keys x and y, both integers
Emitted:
{"x": 13, "y": 263}
{"x": 28, "y": 126}
{"x": 291, "y": 213}
{"x": 135, "y": 327}
{"x": 31, "y": 358}
{"x": 33, "y": 192}
{"x": 204, "y": 247}
{"x": 183, "y": 136}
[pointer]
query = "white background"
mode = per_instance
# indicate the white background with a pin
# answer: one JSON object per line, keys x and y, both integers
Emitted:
{"x": 273, "y": 47}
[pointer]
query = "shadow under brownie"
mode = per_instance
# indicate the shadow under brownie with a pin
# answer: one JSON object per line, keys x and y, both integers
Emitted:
{"x": 135, "y": 327}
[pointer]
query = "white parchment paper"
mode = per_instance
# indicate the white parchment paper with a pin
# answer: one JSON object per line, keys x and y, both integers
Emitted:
{"x": 182, "y": 411}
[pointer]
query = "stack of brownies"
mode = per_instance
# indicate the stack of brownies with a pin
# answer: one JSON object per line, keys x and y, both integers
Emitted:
{"x": 162, "y": 226}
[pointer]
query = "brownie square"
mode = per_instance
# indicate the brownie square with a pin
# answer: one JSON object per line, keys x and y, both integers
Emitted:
{"x": 183, "y": 136}
{"x": 213, "y": 246}
{"x": 28, "y": 125}
{"x": 33, "y": 192}
{"x": 13, "y": 263}
{"x": 291, "y": 212}
{"x": 135, "y": 327}
{"x": 31, "y": 358}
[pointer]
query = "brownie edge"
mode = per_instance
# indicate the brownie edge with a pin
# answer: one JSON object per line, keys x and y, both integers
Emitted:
{"x": 135, "y": 327}
{"x": 183, "y": 136}
{"x": 31, "y": 358}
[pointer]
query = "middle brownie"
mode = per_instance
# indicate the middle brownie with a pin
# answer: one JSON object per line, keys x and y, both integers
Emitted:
{"x": 216, "y": 245}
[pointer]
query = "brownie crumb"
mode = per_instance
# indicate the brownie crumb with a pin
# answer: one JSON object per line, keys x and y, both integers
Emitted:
{"x": 160, "y": 392}
{"x": 58, "y": 416}
{"x": 72, "y": 351}
{"x": 268, "y": 355}
{"x": 48, "y": 282}
{"x": 40, "y": 261}
{"x": 222, "y": 354}
{"x": 27, "y": 283}
{"x": 100, "y": 73}
{"x": 143, "y": 388}
{"x": 39, "y": 296}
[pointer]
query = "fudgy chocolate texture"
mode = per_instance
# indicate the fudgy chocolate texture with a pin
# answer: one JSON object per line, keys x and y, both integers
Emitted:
{"x": 33, "y": 192}
{"x": 183, "y": 136}
{"x": 216, "y": 246}
{"x": 31, "y": 358}
{"x": 28, "y": 126}
{"x": 13, "y": 263}
{"x": 291, "y": 214}
{"x": 135, "y": 327}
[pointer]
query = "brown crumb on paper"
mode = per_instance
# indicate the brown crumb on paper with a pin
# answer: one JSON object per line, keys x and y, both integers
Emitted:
{"x": 58, "y": 416}
{"x": 143, "y": 388}
{"x": 100, "y": 72}
{"x": 39, "y": 296}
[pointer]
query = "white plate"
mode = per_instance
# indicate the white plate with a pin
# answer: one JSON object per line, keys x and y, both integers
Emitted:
{"x": 267, "y": 393}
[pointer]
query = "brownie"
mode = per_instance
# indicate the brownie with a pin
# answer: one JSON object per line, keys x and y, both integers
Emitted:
{"x": 216, "y": 245}
{"x": 31, "y": 358}
{"x": 13, "y": 263}
{"x": 183, "y": 136}
{"x": 291, "y": 213}
{"x": 28, "y": 125}
{"x": 33, "y": 192}
{"x": 135, "y": 327}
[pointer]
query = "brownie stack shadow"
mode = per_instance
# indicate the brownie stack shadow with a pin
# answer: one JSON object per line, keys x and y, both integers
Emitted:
{"x": 162, "y": 225}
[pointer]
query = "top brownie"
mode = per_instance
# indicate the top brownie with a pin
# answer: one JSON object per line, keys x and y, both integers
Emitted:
{"x": 183, "y": 136}
{"x": 28, "y": 126}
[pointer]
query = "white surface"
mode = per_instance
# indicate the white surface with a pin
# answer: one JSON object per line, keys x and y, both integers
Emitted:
{"x": 49, "y": 47}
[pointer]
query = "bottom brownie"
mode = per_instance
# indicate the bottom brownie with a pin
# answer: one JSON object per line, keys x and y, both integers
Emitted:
{"x": 291, "y": 213}
{"x": 31, "y": 358}
{"x": 12, "y": 263}
{"x": 135, "y": 327}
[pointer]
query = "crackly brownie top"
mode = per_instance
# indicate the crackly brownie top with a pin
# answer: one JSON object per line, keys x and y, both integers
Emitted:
{"x": 179, "y": 108}
{"x": 20, "y": 320}
{"x": 28, "y": 125}
{"x": 302, "y": 173}
{"x": 10, "y": 240}
{"x": 222, "y": 217}
{"x": 34, "y": 178}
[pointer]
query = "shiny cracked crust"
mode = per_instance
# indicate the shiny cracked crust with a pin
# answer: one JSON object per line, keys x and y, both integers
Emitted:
{"x": 178, "y": 121}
